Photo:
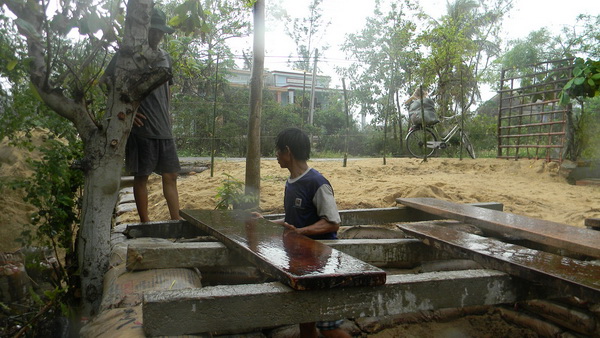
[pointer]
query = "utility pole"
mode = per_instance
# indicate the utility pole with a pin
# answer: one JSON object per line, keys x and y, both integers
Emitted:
{"x": 312, "y": 90}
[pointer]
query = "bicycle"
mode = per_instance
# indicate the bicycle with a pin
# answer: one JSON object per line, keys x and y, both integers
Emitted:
{"x": 424, "y": 142}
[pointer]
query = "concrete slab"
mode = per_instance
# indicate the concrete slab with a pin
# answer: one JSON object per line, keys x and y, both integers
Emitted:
{"x": 250, "y": 307}
{"x": 397, "y": 214}
{"x": 163, "y": 229}
{"x": 396, "y": 253}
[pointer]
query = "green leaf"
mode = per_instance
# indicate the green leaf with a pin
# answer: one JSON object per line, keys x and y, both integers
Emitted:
{"x": 35, "y": 92}
{"x": 568, "y": 85}
{"x": 12, "y": 64}
{"x": 578, "y": 81}
{"x": 564, "y": 98}
{"x": 27, "y": 29}
{"x": 592, "y": 83}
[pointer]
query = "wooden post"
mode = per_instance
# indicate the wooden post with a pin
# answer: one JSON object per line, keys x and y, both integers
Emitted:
{"x": 256, "y": 87}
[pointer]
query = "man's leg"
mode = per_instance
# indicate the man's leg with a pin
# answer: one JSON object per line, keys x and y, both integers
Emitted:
{"x": 140, "y": 193}
{"x": 331, "y": 329}
{"x": 308, "y": 330}
{"x": 335, "y": 333}
{"x": 169, "y": 183}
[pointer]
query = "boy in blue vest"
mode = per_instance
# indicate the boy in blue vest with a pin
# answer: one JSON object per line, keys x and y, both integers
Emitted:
{"x": 309, "y": 205}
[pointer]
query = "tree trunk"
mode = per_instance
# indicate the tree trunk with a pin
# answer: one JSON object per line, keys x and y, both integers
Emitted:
{"x": 105, "y": 139}
{"x": 400, "y": 124}
{"x": 101, "y": 190}
{"x": 256, "y": 88}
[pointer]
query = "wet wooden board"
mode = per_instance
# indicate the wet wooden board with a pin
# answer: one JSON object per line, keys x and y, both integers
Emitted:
{"x": 565, "y": 275}
{"x": 553, "y": 234}
{"x": 294, "y": 259}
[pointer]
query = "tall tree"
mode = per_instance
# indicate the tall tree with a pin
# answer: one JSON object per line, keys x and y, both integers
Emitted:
{"x": 68, "y": 85}
{"x": 388, "y": 58}
{"x": 195, "y": 59}
{"x": 461, "y": 44}
{"x": 307, "y": 34}
{"x": 256, "y": 88}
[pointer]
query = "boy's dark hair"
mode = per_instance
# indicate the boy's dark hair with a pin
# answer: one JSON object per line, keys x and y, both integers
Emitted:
{"x": 297, "y": 142}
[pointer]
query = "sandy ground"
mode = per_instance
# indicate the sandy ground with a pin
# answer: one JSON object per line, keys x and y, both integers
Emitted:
{"x": 527, "y": 187}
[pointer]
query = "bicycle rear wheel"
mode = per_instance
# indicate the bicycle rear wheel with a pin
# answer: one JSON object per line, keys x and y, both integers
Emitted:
{"x": 416, "y": 142}
{"x": 468, "y": 146}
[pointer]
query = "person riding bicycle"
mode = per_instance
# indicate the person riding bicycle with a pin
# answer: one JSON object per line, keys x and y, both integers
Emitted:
{"x": 414, "y": 109}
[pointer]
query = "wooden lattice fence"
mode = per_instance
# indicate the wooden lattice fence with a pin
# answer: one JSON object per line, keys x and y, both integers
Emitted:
{"x": 531, "y": 123}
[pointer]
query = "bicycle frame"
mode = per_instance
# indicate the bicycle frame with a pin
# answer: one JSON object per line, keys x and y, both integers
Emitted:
{"x": 444, "y": 140}
{"x": 451, "y": 133}
{"x": 429, "y": 138}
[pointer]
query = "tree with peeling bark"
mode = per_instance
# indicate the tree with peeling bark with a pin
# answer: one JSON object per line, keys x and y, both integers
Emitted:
{"x": 67, "y": 89}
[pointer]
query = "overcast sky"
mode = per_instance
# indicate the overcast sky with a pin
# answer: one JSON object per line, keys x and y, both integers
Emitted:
{"x": 348, "y": 16}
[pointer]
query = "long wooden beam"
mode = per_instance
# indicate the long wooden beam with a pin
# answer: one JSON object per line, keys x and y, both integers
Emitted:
{"x": 557, "y": 235}
{"x": 291, "y": 258}
{"x": 570, "y": 277}
{"x": 243, "y": 308}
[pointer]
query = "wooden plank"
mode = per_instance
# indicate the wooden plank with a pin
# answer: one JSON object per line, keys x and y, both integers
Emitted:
{"x": 243, "y": 308}
{"x": 589, "y": 181}
{"x": 294, "y": 259}
{"x": 557, "y": 235}
{"x": 569, "y": 276}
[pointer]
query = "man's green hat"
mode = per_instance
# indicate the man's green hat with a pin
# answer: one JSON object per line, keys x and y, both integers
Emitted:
{"x": 159, "y": 21}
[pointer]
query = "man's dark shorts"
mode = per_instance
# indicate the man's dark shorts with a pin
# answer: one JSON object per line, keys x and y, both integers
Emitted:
{"x": 145, "y": 155}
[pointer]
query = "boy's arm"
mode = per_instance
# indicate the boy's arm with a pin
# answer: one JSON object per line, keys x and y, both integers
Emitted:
{"x": 322, "y": 226}
{"x": 280, "y": 221}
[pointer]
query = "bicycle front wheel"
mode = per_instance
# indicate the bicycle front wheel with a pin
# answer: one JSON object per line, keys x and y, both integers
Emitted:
{"x": 468, "y": 146}
{"x": 416, "y": 142}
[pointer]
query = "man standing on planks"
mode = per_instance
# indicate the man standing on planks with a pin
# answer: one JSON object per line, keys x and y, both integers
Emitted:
{"x": 151, "y": 147}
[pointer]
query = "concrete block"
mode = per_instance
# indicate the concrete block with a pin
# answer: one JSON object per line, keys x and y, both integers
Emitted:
{"x": 180, "y": 255}
{"x": 163, "y": 229}
{"x": 399, "y": 214}
{"x": 398, "y": 253}
{"x": 273, "y": 304}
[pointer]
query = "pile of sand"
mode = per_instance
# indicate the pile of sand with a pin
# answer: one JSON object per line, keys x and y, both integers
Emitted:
{"x": 527, "y": 187}
{"x": 14, "y": 213}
